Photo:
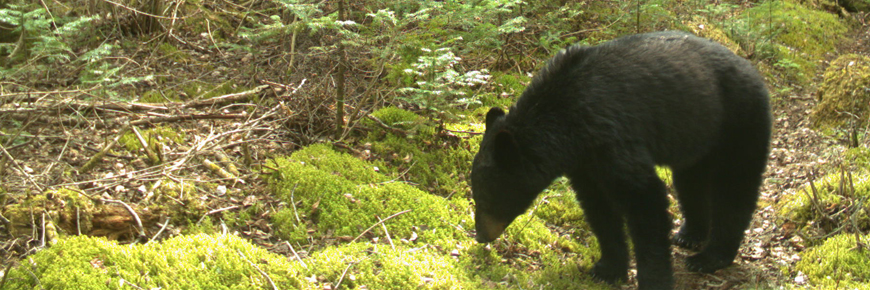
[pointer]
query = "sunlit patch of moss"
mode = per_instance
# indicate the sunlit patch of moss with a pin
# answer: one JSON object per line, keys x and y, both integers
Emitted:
{"x": 558, "y": 206}
{"x": 331, "y": 187}
{"x": 790, "y": 36}
{"x": 531, "y": 256}
{"x": 839, "y": 263}
{"x": 507, "y": 89}
{"x": 305, "y": 188}
{"x": 324, "y": 158}
{"x": 439, "y": 163}
{"x": 154, "y": 136}
{"x": 181, "y": 200}
{"x": 703, "y": 28}
{"x": 477, "y": 127}
{"x": 832, "y": 195}
{"x": 665, "y": 175}
{"x": 859, "y": 157}
{"x": 331, "y": 197}
{"x": 844, "y": 95}
{"x": 529, "y": 232}
{"x": 182, "y": 262}
{"x": 203, "y": 226}
{"x": 398, "y": 118}
{"x": 382, "y": 267}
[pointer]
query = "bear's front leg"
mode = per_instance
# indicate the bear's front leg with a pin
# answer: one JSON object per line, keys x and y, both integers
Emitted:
{"x": 641, "y": 196}
{"x": 607, "y": 225}
{"x": 649, "y": 225}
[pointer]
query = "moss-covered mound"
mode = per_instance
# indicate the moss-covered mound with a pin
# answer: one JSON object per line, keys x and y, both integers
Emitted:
{"x": 844, "y": 96}
{"x": 839, "y": 263}
{"x": 702, "y": 27}
{"x": 838, "y": 201}
{"x": 183, "y": 262}
{"x": 790, "y": 36}
{"x": 335, "y": 195}
{"x": 438, "y": 162}
{"x": 333, "y": 198}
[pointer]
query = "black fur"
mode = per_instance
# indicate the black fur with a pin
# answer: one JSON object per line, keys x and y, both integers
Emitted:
{"x": 604, "y": 116}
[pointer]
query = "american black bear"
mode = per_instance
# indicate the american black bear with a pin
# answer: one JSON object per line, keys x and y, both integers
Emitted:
{"x": 604, "y": 116}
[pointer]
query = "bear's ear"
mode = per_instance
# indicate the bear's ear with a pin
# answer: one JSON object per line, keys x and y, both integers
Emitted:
{"x": 506, "y": 150}
{"x": 493, "y": 115}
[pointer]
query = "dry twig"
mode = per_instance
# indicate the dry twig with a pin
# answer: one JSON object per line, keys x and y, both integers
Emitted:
{"x": 265, "y": 275}
{"x": 380, "y": 222}
{"x": 132, "y": 212}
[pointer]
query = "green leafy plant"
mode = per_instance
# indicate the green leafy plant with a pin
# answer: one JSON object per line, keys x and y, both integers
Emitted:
{"x": 44, "y": 37}
{"x": 438, "y": 84}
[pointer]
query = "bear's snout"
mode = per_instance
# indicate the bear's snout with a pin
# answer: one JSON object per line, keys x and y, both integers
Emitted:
{"x": 488, "y": 228}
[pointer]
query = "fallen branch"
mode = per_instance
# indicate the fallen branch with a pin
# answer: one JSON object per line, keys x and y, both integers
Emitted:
{"x": 162, "y": 228}
{"x": 296, "y": 254}
{"x": 225, "y": 99}
{"x": 265, "y": 275}
{"x": 338, "y": 283}
{"x": 380, "y": 222}
{"x": 132, "y": 212}
{"x": 216, "y": 211}
{"x": 397, "y": 131}
{"x": 106, "y": 148}
{"x": 187, "y": 117}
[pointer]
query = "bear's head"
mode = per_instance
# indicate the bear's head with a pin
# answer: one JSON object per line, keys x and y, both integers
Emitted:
{"x": 503, "y": 181}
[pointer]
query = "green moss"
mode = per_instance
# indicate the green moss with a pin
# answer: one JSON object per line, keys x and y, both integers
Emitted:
{"x": 332, "y": 198}
{"x": 329, "y": 187}
{"x": 439, "y": 163}
{"x": 236, "y": 219}
{"x": 558, "y": 206}
{"x": 171, "y": 52}
{"x": 839, "y": 263}
{"x": 204, "y": 226}
{"x": 159, "y": 97}
{"x": 844, "y": 97}
{"x": 383, "y": 267}
{"x": 788, "y": 35}
{"x": 507, "y": 88}
{"x": 183, "y": 262}
{"x": 69, "y": 210}
{"x": 154, "y": 136}
{"x": 528, "y": 232}
{"x": 702, "y": 27}
{"x": 398, "y": 118}
{"x": 324, "y": 158}
{"x": 834, "y": 194}
{"x": 859, "y": 156}
{"x": 181, "y": 201}
{"x": 225, "y": 262}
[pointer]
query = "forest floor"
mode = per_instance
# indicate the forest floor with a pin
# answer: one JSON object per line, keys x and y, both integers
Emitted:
{"x": 797, "y": 151}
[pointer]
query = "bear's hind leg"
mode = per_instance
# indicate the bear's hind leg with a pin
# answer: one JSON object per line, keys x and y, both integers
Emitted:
{"x": 693, "y": 193}
{"x": 734, "y": 196}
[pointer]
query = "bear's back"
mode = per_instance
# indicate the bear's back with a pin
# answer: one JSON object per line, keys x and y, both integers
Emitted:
{"x": 672, "y": 91}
